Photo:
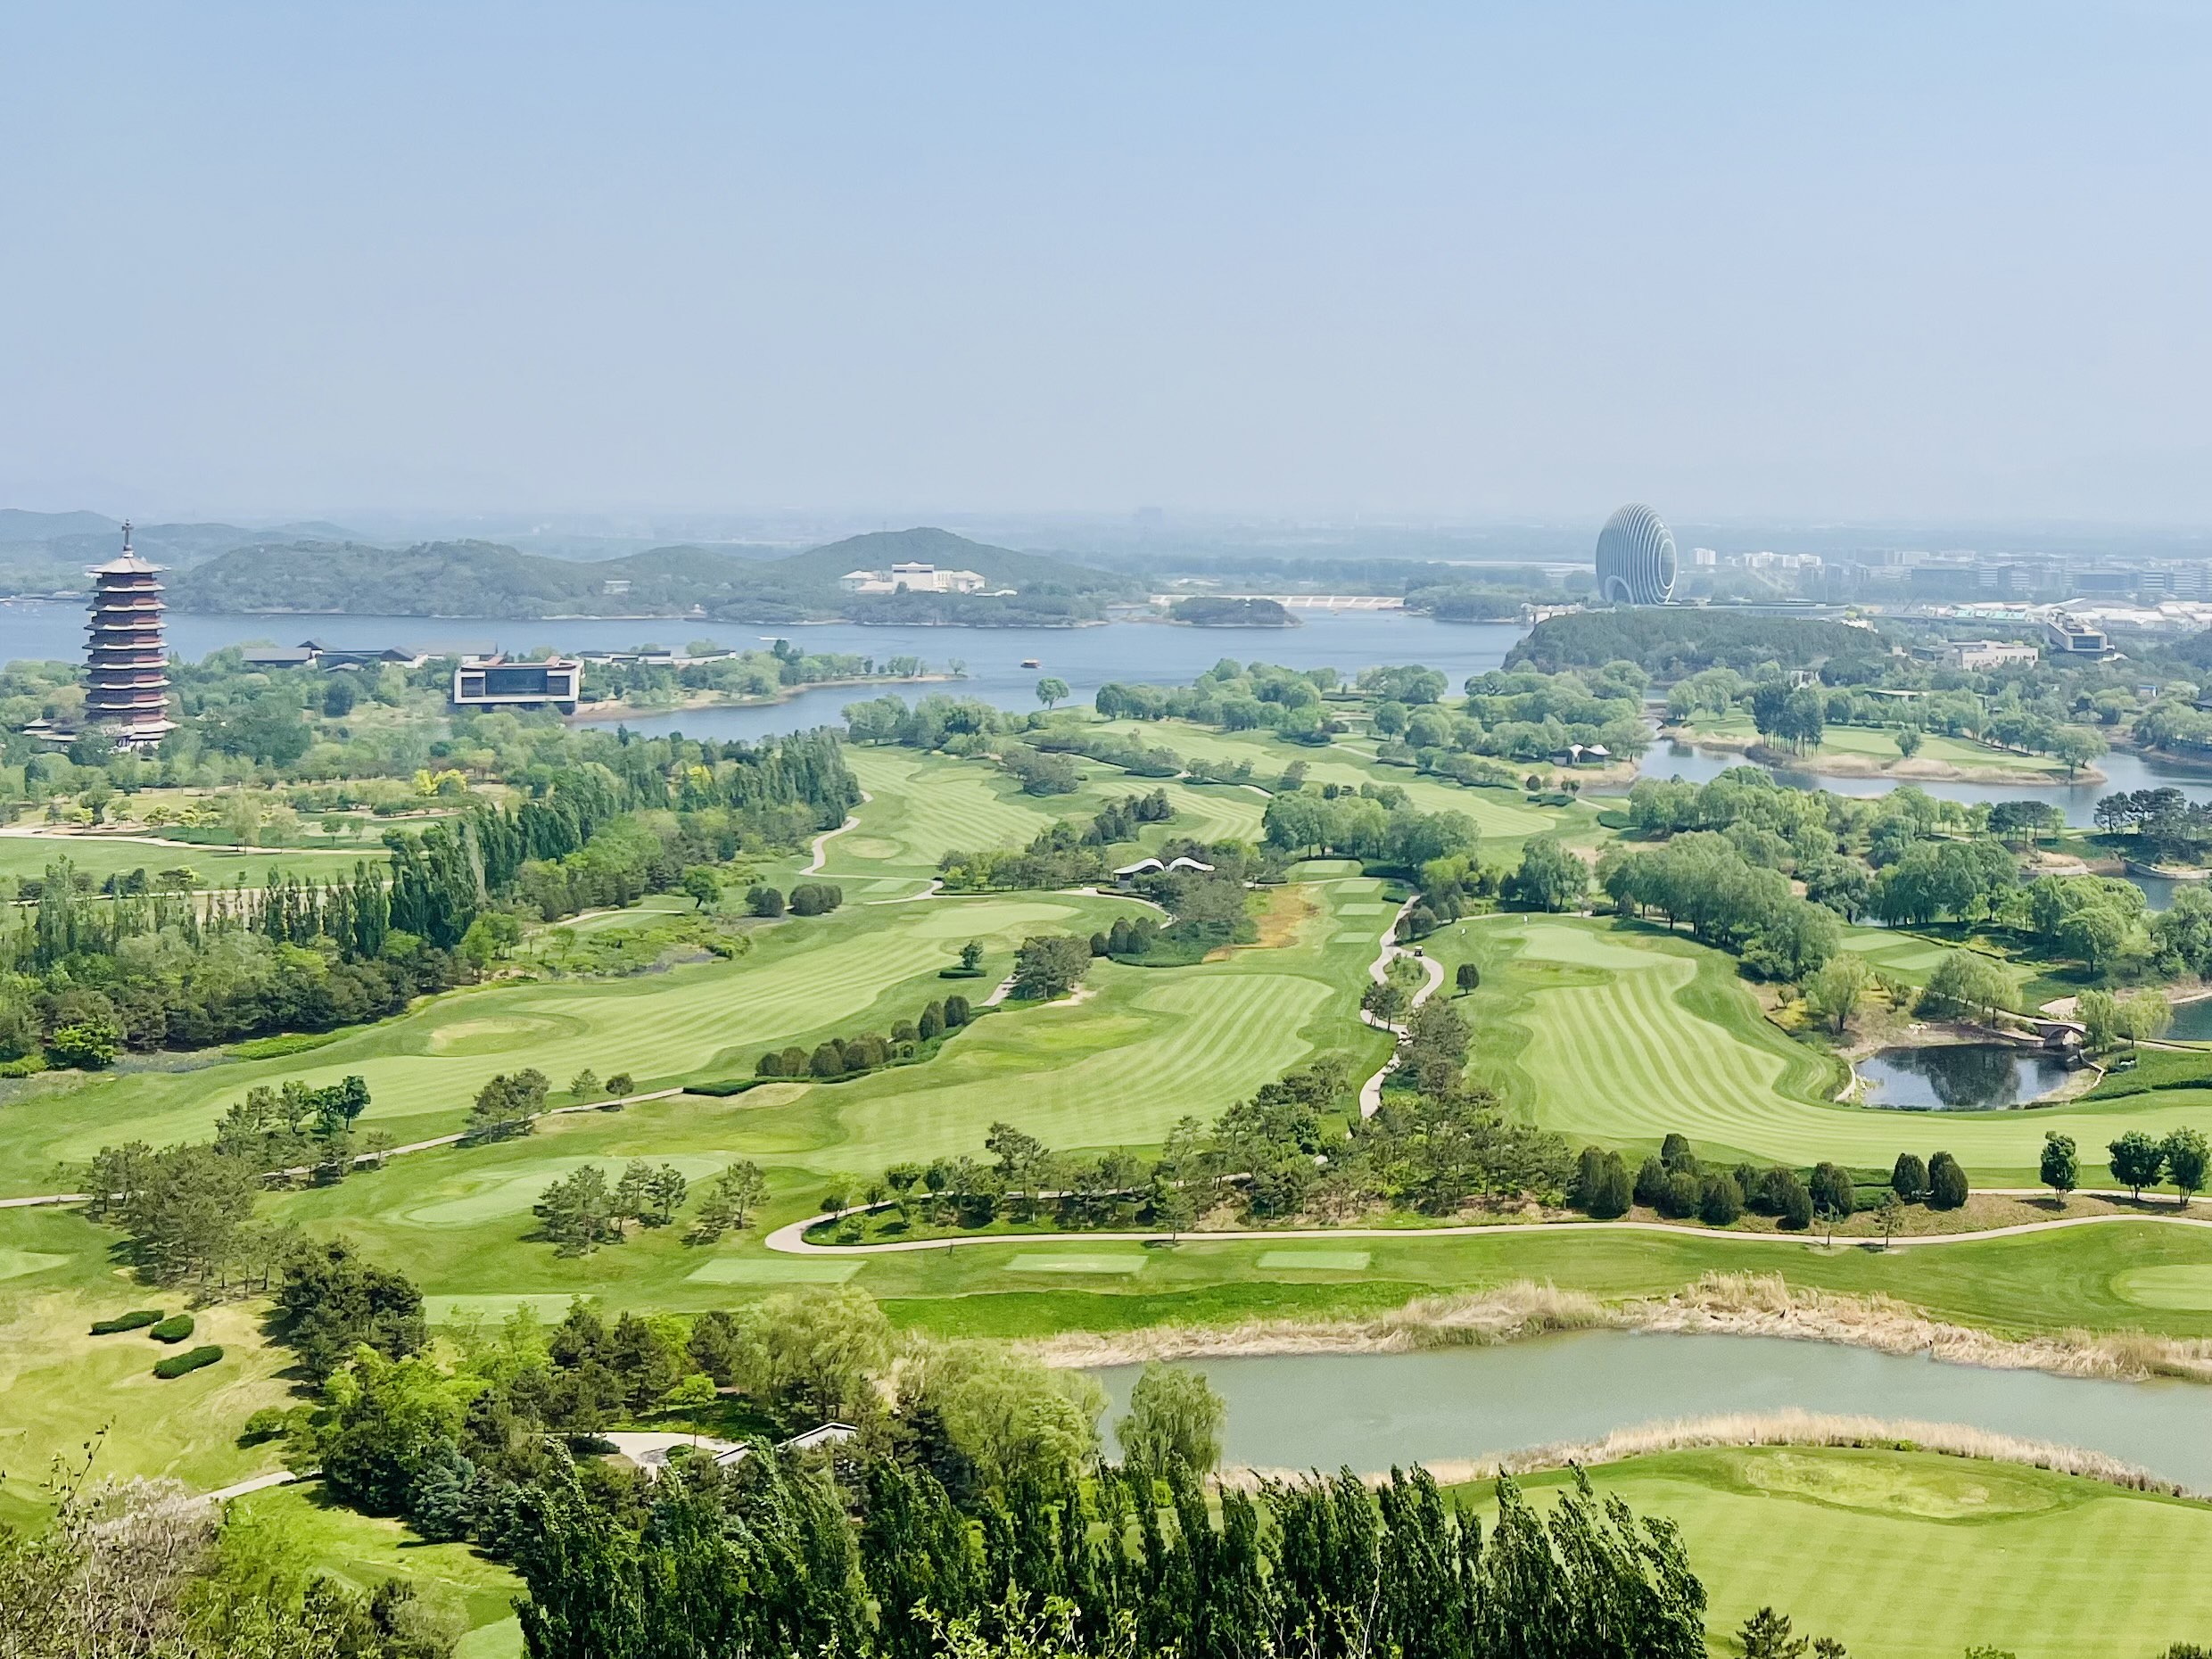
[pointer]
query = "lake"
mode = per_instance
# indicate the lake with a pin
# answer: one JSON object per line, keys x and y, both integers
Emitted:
{"x": 1958, "y": 1077}
{"x": 1368, "y": 1411}
{"x": 2123, "y": 770}
{"x": 1153, "y": 653}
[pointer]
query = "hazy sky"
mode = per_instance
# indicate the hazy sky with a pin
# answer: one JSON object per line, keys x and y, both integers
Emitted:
{"x": 1863, "y": 259}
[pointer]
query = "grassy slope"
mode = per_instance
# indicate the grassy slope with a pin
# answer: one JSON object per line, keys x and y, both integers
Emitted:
{"x": 1916, "y": 1555}
{"x": 1143, "y": 1049}
{"x": 28, "y": 855}
{"x": 858, "y": 968}
{"x": 1881, "y": 747}
{"x": 478, "y": 1595}
{"x": 1621, "y": 1034}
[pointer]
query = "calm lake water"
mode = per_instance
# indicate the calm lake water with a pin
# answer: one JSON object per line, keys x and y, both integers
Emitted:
{"x": 2123, "y": 769}
{"x": 1368, "y": 1411}
{"x": 1153, "y": 653}
{"x": 1958, "y": 1077}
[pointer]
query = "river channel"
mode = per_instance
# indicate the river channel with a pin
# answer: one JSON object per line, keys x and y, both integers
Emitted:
{"x": 1368, "y": 1411}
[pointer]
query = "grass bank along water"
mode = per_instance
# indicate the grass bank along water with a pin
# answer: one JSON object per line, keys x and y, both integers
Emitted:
{"x": 1717, "y": 1304}
{"x": 1578, "y": 1389}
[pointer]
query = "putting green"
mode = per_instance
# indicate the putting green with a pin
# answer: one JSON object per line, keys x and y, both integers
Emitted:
{"x": 480, "y": 1196}
{"x": 496, "y": 1036}
{"x": 981, "y": 918}
{"x": 21, "y": 1264}
{"x": 1027, "y": 1263}
{"x": 1317, "y": 1261}
{"x": 2180, "y": 1288}
{"x": 1844, "y": 1541}
{"x": 774, "y": 1270}
{"x": 1967, "y": 1491}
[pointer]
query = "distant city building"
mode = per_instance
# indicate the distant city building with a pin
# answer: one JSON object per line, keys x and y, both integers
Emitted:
{"x": 126, "y": 663}
{"x": 494, "y": 682}
{"x": 1635, "y": 558}
{"x": 913, "y": 578}
{"x": 1975, "y": 656}
{"x": 2072, "y": 638}
{"x": 1703, "y": 559}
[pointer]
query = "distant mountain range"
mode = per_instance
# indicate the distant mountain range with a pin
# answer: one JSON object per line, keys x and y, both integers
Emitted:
{"x": 315, "y": 575}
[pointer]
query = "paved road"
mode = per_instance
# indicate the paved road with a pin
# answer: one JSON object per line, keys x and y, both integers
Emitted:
{"x": 790, "y": 1240}
{"x": 1388, "y": 949}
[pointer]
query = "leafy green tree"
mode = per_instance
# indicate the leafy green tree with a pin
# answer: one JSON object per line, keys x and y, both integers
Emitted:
{"x": 86, "y": 1046}
{"x": 1549, "y": 878}
{"x": 2137, "y": 1161}
{"x": 1052, "y": 689}
{"x": 2061, "y": 1168}
{"x": 971, "y": 956}
{"x": 1468, "y": 977}
{"x": 813, "y": 1357}
{"x": 1050, "y": 966}
{"x": 764, "y": 901}
{"x": 332, "y": 1300}
{"x": 700, "y": 886}
{"x": 585, "y": 1084}
{"x": 1947, "y": 1182}
{"x": 620, "y": 1085}
{"x": 1967, "y": 985}
{"x": 1722, "y": 1200}
{"x": 508, "y": 1104}
{"x": 1175, "y": 1416}
{"x": 1001, "y": 1422}
{"x": 183, "y": 1217}
{"x": 1833, "y": 1195}
{"x": 1908, "y": 1177}
{"x": 1834, "y": 993}
{"x": 2184, "y": 1152}
{"x": 1889, "y": 1217}
{"x": 1766, "y": 1635}
{"x": 579, "y": 1213}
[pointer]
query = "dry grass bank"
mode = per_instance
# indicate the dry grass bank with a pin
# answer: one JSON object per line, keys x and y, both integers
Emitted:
{"x": 1720, "y": 1304}
{"x": 1784, "y": 1428}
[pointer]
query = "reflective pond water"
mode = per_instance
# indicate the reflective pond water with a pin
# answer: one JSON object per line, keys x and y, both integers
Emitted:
{"x": 1958, "y": 1077}
{"x": 1368, "y": 1411}
{"x": 2123, "y": 771}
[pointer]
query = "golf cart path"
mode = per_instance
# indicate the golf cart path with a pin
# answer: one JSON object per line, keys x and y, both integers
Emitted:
{"x": 1388, "y": 949}
{"x": 790, "y": 1240}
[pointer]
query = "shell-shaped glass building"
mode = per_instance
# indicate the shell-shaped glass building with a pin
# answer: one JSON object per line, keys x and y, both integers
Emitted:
{"x": 1635, "y": 558}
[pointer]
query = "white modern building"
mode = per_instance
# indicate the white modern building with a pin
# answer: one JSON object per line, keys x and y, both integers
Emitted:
{"x": 494, "y": 682}
{"x": 911, "y": 578}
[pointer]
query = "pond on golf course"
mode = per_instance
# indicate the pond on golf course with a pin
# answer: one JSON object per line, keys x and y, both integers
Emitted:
{"x": 1369, "y": 1411}
{"x": 1958, "y": 1077}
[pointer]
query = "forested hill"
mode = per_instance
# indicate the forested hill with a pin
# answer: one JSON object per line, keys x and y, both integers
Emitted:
{"x": 1670, "y": 641}
{"x": 487, "y": 579}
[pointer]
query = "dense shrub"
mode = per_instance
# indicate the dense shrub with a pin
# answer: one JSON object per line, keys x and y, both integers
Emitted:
{"x": 1947, "y": 1182}
{"x": 191, "y": 1359}
{"x": 1722, "y": 1200}
{"x": 175, "y": 1328}
{"x": 137, "y": 1321}
{"x": 816, "y": 898}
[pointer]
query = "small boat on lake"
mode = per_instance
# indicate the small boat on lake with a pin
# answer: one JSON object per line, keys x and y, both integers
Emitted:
{"x": 1031, "y": 662}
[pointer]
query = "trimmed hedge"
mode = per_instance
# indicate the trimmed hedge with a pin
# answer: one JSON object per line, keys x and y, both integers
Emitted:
{"x": 727, "y": 1086}
{"x": 175, "y": 1328}
{"x": 137, "y": 1321}
{"x": 191, "y": 1359}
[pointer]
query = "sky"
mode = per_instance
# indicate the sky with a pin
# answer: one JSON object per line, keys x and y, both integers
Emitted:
{"x": 1443, "y": 262}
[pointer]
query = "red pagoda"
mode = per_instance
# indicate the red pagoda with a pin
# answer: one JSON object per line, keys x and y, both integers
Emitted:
{"x": 126, "y": 665}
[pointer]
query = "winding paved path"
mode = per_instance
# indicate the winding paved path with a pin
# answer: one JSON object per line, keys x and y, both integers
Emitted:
{"x": 790, "y": 1240}
{"x": 1389, "y": 950}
